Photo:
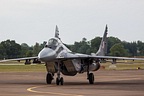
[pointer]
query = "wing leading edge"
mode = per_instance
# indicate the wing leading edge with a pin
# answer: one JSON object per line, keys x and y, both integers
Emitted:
{"x": 27, "y": 60}
{"x": 84, "y": 56}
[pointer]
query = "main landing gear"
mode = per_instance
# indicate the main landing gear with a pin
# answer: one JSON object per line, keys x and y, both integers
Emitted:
{"x": 91, "y": 78}
{"x": 60, "y": 80}
{"x": 49, "y": 78}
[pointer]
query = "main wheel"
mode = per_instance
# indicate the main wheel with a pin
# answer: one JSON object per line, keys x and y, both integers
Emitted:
{"x": 49, "y": 78}
{"x": 91, "y": 78}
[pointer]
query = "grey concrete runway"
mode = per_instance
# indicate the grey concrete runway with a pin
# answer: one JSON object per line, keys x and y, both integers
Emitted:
{"x": 107, "y": 83}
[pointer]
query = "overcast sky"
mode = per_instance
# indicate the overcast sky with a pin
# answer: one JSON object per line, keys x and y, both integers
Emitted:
{"x": 31, "y": 21}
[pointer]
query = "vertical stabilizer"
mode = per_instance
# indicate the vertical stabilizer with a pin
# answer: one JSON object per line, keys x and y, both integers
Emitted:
{"x": 57, "y": 32}
{"x": 103, "y": 45}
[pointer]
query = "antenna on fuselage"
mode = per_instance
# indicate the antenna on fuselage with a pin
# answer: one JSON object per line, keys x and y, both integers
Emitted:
{"x": 57, "y": 32}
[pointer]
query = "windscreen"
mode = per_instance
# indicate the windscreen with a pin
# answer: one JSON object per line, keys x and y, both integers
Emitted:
{"x": 52, "y": 43}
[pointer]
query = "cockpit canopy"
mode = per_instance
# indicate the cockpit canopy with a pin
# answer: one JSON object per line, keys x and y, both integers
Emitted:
{"x": 52, "y": 43}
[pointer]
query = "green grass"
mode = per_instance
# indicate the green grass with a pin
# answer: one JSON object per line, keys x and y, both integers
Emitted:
{"x": 123, "y": 66}
{"x": 22, "y": 68}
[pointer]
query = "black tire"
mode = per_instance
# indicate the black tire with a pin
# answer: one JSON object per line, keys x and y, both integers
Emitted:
{"x": 49, "y": 78}
{"x": 91, "y": 78}
{"x": 61, "y": 80}
{"x": 57, "y": 81}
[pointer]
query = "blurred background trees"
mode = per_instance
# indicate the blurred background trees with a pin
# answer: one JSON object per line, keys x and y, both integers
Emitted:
{"x": 116, "y": 47}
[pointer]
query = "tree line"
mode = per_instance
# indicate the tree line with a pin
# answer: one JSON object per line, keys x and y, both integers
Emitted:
{"x": 115, "y": 47}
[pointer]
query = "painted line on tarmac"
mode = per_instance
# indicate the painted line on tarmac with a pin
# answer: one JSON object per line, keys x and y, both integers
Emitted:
{"x": 32, "y": 89}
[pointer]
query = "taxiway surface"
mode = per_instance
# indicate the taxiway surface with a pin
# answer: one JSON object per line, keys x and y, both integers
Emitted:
{"x": 107, "y": 83}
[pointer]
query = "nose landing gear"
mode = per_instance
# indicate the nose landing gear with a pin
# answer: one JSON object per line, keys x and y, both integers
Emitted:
{"x": 59, "y": 80}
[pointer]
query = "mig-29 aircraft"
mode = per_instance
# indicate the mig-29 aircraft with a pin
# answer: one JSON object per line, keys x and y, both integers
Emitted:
{"x": 59, "y": 59}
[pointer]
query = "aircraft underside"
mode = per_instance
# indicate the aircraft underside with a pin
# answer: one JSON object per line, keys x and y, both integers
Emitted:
{"x": 71, "y": 68}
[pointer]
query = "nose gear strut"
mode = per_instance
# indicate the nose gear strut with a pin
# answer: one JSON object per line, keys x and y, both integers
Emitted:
{"x": 59, "y": 80}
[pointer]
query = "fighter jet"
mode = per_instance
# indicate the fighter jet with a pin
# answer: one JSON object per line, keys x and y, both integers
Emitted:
{"x": 59, "y": 59}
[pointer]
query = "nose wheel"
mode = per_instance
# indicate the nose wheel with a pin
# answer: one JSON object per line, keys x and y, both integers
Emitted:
{"x": 59, "y": 81}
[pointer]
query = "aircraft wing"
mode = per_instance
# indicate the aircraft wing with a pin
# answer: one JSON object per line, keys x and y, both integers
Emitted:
{"x": 117, "y": 58}
{"x": 28, "y": 59}
{"x": 83, "y": 56}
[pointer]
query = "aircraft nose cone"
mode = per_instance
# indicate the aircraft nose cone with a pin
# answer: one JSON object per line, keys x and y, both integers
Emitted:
{"x": 46, "y": 54}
